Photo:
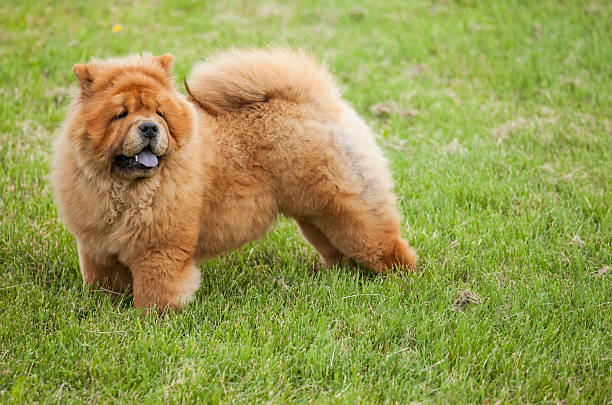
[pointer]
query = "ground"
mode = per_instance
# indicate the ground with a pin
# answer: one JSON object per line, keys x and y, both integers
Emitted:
{"x": 497, "y": 120}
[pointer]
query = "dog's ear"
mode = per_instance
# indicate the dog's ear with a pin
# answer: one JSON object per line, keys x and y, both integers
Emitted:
{"x": 165, "y": 61}
{"x": 83, "y": 75}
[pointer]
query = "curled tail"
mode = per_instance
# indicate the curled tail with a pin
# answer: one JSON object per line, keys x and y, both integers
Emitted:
{"x": 233, "y": 79}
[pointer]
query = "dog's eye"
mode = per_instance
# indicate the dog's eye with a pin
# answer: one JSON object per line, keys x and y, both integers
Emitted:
{"x": 161, "y": 114}
{"x": 121, "y": 116}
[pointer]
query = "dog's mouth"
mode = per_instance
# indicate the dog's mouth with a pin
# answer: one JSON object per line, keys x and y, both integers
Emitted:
{"x": 143, "y": 160}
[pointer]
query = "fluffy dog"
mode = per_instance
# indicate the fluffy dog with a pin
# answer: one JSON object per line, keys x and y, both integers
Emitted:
{"x": 150, "y": 181}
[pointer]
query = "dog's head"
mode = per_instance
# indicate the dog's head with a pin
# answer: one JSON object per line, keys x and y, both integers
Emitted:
{"x": 128, "y": 118}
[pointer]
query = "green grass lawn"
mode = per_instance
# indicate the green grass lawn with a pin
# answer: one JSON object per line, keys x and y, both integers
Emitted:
{"x": 500, "y": 141}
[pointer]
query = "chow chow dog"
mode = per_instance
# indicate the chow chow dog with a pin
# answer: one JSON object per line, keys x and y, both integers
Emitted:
{"x": 150, "y": 181}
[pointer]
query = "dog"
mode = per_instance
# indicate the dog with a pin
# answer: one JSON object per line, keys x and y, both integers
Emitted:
{"x": 150, "y": 181}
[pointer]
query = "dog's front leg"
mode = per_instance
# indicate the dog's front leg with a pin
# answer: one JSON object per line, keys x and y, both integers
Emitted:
{"x": 164, "y": 279}
{"x": 104, "y": 271}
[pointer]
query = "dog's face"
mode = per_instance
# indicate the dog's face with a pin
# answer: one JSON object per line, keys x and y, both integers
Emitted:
{"x": 131, "y": 119}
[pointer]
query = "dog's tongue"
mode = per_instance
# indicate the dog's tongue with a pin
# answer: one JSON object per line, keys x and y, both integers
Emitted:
{"x": 147, "y": 158}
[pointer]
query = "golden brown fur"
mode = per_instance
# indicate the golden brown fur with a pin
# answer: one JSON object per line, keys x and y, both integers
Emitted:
{"x": 264, "y": 132}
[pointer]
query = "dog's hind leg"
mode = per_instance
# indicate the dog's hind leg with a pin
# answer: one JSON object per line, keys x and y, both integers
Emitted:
{"x": 328, "y": 252}
{"x": 372, "y": 240}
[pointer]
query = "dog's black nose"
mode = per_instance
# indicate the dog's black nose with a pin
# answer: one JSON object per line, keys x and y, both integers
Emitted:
{"x": 148, "y": 129}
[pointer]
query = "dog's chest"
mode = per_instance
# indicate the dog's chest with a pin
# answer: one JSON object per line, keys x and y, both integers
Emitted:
{"x": 128, "y": 211}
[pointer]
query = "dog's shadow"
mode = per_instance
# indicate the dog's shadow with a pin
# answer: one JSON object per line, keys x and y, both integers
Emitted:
{"x": 217, "y": 281}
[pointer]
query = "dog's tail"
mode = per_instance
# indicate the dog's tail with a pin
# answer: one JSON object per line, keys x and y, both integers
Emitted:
{"x": 231, "y": 80}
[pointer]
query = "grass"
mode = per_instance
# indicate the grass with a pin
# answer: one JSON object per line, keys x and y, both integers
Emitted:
{"x": 501, "y": 151}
